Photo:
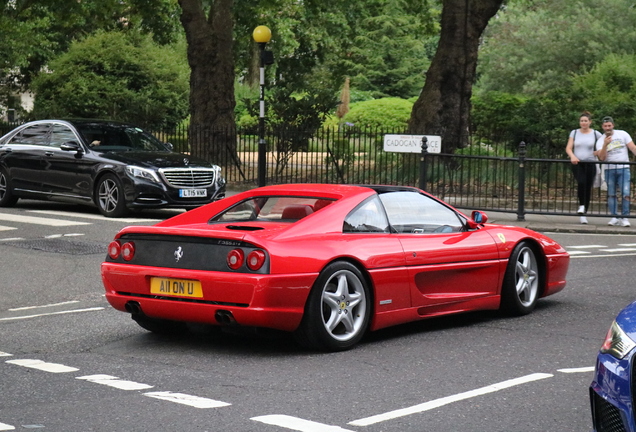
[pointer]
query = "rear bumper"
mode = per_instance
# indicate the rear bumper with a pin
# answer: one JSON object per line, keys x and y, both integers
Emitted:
{"x": 271, "y": 301}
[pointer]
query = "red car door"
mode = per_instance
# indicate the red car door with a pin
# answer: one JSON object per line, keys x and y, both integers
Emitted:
{"x": 446, "y": 263}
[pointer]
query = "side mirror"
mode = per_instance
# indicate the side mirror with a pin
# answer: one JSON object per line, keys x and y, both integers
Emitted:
{"x": 479, "y": 217}
{"x": 71, "y": 146}
{"x": 170, "y": 146}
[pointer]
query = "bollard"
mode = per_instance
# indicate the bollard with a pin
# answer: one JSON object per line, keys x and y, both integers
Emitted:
{"x": 521, "y": 211}
{"x": 423, "y": 163}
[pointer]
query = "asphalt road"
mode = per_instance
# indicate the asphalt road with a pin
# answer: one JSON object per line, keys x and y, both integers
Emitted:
{"x": 68, "y": 362}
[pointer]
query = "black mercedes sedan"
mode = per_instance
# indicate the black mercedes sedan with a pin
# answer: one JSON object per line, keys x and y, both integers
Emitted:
{"x": 116, "y": 166}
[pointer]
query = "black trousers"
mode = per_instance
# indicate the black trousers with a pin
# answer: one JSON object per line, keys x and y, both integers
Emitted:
{"x": 584, "y": 173}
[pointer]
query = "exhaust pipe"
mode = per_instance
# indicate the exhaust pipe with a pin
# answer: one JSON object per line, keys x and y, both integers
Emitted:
{"x": 224, "y": 317}
{"x": 133, "y": 307}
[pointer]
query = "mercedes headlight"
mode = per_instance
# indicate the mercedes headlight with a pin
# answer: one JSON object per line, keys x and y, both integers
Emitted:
{"x": 617, "y": 343}
{"x": 143, "y": 173}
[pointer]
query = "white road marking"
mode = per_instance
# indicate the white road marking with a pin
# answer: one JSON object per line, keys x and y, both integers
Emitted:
{"x": 51, "y": 313}
{"x": 578, "y": 252}
{"x": 619, "y": 250}
{"x": 6, "y": 228}
{"x": 627, "y": 244}
{"x": 90, "y": 216}
{"x": 39, "y": 220}
{"x": 44, "y": 306}
{"x": 449, "y": 399}
{"x": 586, "y": 247}
{"x": 4, "y": 354}
{"x": 43, "y": 366}
{"x": 194, "y": 401}
{"x": 12, "y": 239}
{"x": 115, "y": 382}
{"x": 605, "y": 255}
{"x": 577, "y": 370}
{"x": 297, "y": 424}
{"x": 6, "y": 427}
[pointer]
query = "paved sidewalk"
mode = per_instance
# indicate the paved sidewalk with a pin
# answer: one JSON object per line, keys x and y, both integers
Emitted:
{"x": 553, "y": 223}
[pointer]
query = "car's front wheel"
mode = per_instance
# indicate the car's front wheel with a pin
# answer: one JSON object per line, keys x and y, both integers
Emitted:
{"x": 7, "y": 199}
{"x": 338, "y": 309}
{"x": 520, "y": 290}
{"x": 110, "y": 196}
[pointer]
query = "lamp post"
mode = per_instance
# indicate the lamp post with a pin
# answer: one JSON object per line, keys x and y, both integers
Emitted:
{"x": 262, "y": 35}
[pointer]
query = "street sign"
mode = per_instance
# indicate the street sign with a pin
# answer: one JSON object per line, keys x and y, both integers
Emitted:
{"x": 412, "y": 143}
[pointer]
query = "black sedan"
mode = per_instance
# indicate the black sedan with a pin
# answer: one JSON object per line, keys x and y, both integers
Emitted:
{"x": 115, "y": 166}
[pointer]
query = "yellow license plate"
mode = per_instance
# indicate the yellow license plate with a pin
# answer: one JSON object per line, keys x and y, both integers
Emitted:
{"x": 176, "y": 287}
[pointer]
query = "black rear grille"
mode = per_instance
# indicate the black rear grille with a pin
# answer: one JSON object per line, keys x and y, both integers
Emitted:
{"x": 189, "y": 177}
{"x": 607, "y": 418}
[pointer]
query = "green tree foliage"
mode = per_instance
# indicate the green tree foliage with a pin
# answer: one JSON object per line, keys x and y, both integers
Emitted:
{"x": 33, "y": 32}
{"x": 386, "y": 113}
{"x": 392, "y": 44}
{"x": 121, "y": 78}
{"x": 535, "y": 46}
{"x": 609, "y": 89}
{"x": 542, "y": 122}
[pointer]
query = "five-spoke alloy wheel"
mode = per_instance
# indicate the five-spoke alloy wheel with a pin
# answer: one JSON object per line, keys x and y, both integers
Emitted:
{"x": 338, "y": 309}
{"x": 522, "y": 280}
{"x": 110, "y": 196}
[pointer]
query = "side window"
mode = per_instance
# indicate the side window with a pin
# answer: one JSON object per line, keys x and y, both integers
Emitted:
{"x": 412, "y": 212}
{"x": 366, "y": 218}
{"x": 37, "y": 134}
{"x": 62, "y": 134}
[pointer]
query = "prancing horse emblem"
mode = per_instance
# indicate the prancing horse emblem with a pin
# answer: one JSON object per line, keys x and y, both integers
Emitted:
{"x": 178, "y": 254}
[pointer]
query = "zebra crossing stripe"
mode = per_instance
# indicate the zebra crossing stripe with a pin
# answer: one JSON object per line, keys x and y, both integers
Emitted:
{"x": 43, "y": 366}
{"x": 194, "y": 401}
{"x": 297, "y": 424}
{"x": 115, "y": 382}
{"x": 6, "y": 427}
{"x": 39, "y": 220}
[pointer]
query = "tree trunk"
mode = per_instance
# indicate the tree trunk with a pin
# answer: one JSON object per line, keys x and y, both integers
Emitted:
{"x": 443, "y": 107}
{"x": 212, "y": 133}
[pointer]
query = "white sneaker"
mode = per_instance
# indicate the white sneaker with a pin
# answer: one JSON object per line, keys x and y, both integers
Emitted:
{"x": 614, "y": 222}
{"x": 625, "y": 222}
{"x": 581, "y": 210}
{"x": 583, "y": 220}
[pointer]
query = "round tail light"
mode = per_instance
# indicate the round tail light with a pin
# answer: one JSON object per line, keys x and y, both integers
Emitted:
{"x": 128, "y": 251}
{"x": 255, "y": 260}
{"x": 114, "y": 249}
{"x": 235, "y": 259}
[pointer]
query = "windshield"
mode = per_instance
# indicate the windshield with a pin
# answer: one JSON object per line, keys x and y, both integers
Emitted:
{"x": 110, "y": 137}
{"x": 272, "y": 208}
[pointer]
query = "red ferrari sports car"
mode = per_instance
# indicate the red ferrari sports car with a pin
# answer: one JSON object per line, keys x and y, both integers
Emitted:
{"x": 326, "y": 262}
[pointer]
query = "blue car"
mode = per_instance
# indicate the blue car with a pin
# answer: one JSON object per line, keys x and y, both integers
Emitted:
{"x": 613, "y": 391}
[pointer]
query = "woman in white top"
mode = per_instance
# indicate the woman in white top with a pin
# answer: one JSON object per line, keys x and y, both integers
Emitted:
{"x": 580, "y": 148}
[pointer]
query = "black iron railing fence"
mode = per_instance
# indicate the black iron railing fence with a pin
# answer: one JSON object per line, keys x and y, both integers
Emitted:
{"x": 492, "y": 173}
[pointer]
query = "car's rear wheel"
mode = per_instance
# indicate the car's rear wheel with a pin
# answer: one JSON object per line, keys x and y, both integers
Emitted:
{"x": 7, "y": 199}
{"x": 110, "y": 196}
{"x": 338, "y": 309}
{"x": 520, "y": 290}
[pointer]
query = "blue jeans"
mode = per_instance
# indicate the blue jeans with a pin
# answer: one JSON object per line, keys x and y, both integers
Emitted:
{"x": 618, "y": 178}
